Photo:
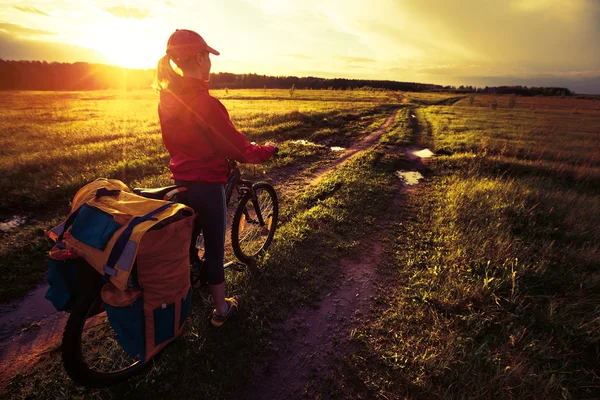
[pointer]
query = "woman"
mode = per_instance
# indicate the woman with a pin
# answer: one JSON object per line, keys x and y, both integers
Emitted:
{"x": 200, "y": 136}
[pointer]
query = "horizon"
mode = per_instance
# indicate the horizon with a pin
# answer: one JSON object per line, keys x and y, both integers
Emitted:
{"x": 366, "y": 80}
{"x": 521, "y": 42}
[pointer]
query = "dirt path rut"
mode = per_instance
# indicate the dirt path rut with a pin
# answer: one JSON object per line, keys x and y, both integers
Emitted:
{"x": 303, "y": 344}
{"x": 355, "y": 149}
{"x": 307, "y": 345}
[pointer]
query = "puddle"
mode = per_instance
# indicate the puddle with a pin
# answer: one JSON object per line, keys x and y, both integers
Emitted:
{"x": 33, "y": 308}
{"x": 303, "y": 142}
{"x": 12, "y": 223}
{"x": 425, "y": 153}
{"x": 410, "y": 178}
{"x": 337, "y": 148}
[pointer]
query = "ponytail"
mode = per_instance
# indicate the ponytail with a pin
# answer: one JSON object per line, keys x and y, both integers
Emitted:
{"x": 166, "y": 77}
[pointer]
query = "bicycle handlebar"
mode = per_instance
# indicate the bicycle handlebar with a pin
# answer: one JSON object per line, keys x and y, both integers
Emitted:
{"x": 233, "y": 163}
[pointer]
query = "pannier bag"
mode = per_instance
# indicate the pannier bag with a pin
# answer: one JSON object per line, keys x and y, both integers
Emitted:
{"x": 141, "y": 248}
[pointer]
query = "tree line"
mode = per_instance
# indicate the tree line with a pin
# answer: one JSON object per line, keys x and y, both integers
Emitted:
{"x": 519, "y": 90}
{"x": 42, "y": 75}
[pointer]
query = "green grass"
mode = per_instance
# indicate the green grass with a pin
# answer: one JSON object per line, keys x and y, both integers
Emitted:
{"x": 494, "y": 292}
{"x": 51, "y": 144}
{"x": 319, "y": 228}
{"x": 399, "y": 132}
{"x": 489, "y": 284}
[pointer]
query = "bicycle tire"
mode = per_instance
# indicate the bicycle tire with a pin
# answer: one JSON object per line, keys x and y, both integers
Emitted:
{"x": 245, "y": 254}
{"x": 73, "y": 360}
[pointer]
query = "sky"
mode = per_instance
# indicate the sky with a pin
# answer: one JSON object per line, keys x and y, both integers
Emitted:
{"x": 448, "y": 42}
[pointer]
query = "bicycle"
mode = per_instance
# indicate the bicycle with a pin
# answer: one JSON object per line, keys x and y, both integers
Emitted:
{"x": 257, "y": 223}
{"x": 91, "y": 355}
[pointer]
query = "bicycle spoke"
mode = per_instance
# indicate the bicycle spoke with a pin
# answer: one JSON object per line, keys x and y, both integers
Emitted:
{"x": 255, "y": 235}
{"x": 251, "y": 236}
{"x": 100, "y": 350}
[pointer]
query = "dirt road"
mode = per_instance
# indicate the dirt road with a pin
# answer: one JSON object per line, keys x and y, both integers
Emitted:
{"x": 301, "y": 345}
{"x": 306, "y": 346}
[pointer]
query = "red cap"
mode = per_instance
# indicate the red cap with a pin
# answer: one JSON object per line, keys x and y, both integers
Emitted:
{"x": 184, "y": 44}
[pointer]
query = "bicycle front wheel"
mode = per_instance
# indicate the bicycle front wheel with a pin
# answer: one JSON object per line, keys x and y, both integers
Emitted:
{"x": 91, "y": 355}
{"x": 250, "y": 238}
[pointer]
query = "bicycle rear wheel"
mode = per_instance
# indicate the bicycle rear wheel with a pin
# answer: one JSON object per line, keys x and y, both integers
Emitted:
{"x": 91, "y": 355}
{"x": 250, "y": 238}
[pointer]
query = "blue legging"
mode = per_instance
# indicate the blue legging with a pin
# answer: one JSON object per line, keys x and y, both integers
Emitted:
{"x": 208, "y": 201}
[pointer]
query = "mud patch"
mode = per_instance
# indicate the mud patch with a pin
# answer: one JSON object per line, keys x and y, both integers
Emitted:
{"x": 21, "y": 352}
{"x": 304, "y": 346}
{"x": 33, "y": 308}
{"x": 28, "y": 329}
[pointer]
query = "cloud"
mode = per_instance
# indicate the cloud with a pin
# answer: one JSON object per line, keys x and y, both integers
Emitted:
{"x": 298, "y": 56}
{"x": 557, "y": 9}
{"x": 128, "y": 12}
{"x": 535, "y": 34}
{"x": 22, "y": 31}
{"x": 15, "y": 48}
{"x": 32, "y": 10}
{"x": 355, "y": 59}
{"x": 447, "y": 69}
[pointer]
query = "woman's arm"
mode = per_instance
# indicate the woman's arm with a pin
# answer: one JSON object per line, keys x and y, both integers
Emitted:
{"x": 227, "y": 140}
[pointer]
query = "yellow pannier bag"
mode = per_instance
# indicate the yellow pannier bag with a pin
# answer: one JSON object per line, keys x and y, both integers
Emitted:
{"x": 107, "y": 223}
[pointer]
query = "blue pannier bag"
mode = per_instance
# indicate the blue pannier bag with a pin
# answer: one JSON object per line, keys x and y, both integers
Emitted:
{"x": 62, "y": 277}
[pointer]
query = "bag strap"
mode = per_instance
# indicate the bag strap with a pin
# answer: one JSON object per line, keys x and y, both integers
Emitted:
{"x": 107, "y": 192}
{"x": 67, "y": 224}
{"x": 119, "y": 246}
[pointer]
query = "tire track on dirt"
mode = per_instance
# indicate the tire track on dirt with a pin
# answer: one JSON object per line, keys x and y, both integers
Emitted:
{"x": 308, "y": 346}
{"x": 22, "y": 349}
{"x": 355, "y": 149}
{"x": 306, "y": 343}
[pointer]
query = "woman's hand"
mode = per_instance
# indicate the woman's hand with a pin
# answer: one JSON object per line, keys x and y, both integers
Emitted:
{"x": 274, "y": 145}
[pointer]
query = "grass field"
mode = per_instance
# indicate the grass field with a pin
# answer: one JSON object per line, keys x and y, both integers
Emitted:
{"x": 51, "y": 144}
{"x": 489, "y": 287}
{"x": 496, "y": 284}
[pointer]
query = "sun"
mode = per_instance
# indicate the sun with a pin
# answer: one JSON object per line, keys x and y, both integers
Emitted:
{"x": 126, "y": 44}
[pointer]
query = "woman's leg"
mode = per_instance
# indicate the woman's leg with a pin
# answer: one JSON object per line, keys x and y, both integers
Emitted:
{"x": 218, "y": 294}
{"x": 208, "y": 201}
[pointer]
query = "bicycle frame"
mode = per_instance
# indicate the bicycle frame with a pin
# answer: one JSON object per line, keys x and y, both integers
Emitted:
{"x": 243, "y": 186}
{"x": 234, "y": 181}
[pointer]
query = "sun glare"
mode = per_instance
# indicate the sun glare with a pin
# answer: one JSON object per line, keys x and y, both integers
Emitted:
{"x": 126, "y": 45}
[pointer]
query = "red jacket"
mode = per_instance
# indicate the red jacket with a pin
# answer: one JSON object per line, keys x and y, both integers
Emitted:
{"x": 199, "y": 135}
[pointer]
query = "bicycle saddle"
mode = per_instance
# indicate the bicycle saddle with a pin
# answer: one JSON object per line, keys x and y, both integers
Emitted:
{"x": 157, "y": 193}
